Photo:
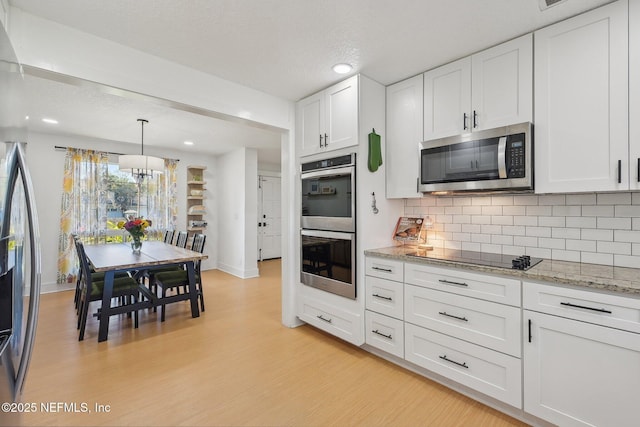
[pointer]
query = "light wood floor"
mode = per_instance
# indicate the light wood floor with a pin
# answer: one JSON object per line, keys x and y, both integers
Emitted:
{"x": 235, "y": 365}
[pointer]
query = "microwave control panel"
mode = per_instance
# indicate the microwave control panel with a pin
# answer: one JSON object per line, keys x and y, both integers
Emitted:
{"x": 515, "y": 156}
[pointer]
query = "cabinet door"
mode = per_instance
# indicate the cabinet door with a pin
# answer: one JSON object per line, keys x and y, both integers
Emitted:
{"x": 502, "y": 84}
{"x": 341, "y": 128}
{"x": 581, "y": 110}
{"x": 404, "y": 133}
{"x": 580, "y": 374}
{"x": 310, "y": 124}
{"x": 447, "y": 100}
{"x": 634, "y": 94}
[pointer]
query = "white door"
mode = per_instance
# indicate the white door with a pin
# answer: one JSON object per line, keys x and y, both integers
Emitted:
{"x": 447, "y": 100}
{"x": 634, "y": 95}
{"x": 502, "y": 84}
{"x": 580, "y": 374}
{"x": 404, "y": 134}
{"x": 269, "y": 224}
{"x": 581, "y": 108}
{"x": 310, "y": 124}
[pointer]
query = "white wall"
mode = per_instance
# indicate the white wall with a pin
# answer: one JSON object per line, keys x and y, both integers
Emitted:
{"x": 46, "y": 165}
{"x": 237, "y": 223}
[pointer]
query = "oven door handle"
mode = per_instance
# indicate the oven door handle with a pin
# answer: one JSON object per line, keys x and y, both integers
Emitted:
{"x": 342, "y": 171}
{"x": 502, "y": 157}
{"x": 339, "y": 235}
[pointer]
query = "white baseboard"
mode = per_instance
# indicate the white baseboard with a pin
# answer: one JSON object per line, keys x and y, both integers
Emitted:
{"x": 243, "y": 274}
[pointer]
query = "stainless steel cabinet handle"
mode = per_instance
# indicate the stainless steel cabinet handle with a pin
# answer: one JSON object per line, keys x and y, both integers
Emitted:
{"x": 464, "y": 365}
{"x": 320, "y": 140}
{"x": 464, "y": 121}
{"x": 619, "y": 171}
{"x": 475, "y": 119}
{"x": 387, "y": 270}
{"x": 448, "y": 282}
{"x": 381, "y": 334}
{"x": 444, "y": 313}
{"x": 638, "y": 169}
{"x": 326, "y": 140}
{"x": 324, "y": 318}
{"x": 600, "y": 310}
{"x": 383, "y": 297}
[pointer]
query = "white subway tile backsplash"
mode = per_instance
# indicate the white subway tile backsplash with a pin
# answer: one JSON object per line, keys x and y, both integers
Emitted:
{"x": 514, "y": 210}
{"x": 627, "y": 211}
{"x": 539, "y": 210}
{"x": 581, "y": 199}
{"x": 561, "y": 210}
{"x": 596, "y": 258}
{"x": 581, "y": 245}
{"x": 599, "y": 228}
{"x": 527, "y": 200}
{"x": 573, "y": 256}
{"x": 552, "y": 199}
{"x": 626, "y": 236}
{"x": 626, "y": 261}
{"x": 618, "y": 248}
{"x": 603, "y": 210}
{"x": 551, "y": 221}
{"x": 581, "y": 222}
{"x": 613, "y": 198}
{"x": 538, "y": 231}
{"x": 565, "y": 233}
{"x": 525, "y": 220}
{"x": 591, "y": 234}
{"x": 502, "y": 220}
{"x": 614, "y": 223}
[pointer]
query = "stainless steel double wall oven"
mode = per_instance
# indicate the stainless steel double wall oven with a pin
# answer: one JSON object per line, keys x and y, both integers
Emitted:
{"x": 328, "y": 234}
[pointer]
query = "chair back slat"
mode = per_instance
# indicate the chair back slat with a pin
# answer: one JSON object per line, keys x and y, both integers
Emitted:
{"x": 84, "y": 263}
{"x": 181, "y": 240}
{"x": 198, "y": 242}
{"x": 168, "y": 236}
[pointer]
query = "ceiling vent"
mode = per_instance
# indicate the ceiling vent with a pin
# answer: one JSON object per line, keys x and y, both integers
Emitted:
{"x": 545, "y": 4}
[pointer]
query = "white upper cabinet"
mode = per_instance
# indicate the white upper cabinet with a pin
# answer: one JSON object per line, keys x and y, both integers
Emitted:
{"x": 581, "y": 109}
{"x": 489, "y": 89}
{"x": 328, "y": 120}
{"x": 404, "y": 133}
{"x": 634, "y": 95}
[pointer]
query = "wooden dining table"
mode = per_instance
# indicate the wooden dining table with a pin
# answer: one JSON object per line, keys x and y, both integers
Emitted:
{"x": 114, "y": 257}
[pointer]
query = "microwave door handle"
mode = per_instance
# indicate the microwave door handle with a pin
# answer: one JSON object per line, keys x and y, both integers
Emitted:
{"x": 502, "y": 157}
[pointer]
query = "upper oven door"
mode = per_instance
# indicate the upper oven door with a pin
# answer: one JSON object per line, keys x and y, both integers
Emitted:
{"x": 328, "y": 199}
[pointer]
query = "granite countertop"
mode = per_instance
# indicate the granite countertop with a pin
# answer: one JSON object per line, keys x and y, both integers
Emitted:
{"x": 622, "y": 280}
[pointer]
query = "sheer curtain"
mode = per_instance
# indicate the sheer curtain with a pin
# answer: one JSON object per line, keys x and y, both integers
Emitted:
{"x": 85, "y": 202}
{"x": 83, "y": 208}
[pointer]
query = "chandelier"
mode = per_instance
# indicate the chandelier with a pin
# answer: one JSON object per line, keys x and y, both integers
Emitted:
{"x": 141, "y": 166}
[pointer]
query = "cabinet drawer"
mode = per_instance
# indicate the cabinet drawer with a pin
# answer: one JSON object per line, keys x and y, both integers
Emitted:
{"x": 488, "y": 324}
{"x": 483, "y": 286}
{"x": 343, "y": 324}
{"x": 494, "y": 374}
{"x": 594, "y": 307}
{"x": 384, "y": 268}
{"x": 384, "y": 296}
{"x": 385, "y": 333}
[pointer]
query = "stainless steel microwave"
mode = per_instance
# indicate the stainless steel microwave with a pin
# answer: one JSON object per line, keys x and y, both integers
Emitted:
{"x": 499, "y": 159}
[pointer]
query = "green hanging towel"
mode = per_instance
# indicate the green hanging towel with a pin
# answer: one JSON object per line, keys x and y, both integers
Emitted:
{"x": 375, "y": 152}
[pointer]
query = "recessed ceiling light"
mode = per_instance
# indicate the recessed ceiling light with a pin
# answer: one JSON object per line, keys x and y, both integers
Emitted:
{"x": 50, "y": 121}
{"x": 188, "y": 143}
{"x": 342, "y": 68}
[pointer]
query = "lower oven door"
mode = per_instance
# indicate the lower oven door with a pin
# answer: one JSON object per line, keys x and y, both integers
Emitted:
{"x": 328, "y": 261}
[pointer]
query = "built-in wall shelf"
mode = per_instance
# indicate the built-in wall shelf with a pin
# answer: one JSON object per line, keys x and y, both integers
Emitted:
{"x": 195, "y": 199}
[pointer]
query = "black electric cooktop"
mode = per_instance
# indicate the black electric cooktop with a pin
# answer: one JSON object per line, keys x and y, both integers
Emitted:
{"x": 523, "y": 262}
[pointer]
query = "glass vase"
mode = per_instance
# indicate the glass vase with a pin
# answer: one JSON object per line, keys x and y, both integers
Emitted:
{"x": 136, "y": 245}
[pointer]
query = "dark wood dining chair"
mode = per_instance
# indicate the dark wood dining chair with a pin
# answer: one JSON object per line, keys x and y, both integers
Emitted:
{"x": 125, "y": 289}
{"x": 179, "y": 279}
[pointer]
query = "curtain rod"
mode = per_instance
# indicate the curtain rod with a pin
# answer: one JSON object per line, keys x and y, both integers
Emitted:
{"x": 61, "y": 148}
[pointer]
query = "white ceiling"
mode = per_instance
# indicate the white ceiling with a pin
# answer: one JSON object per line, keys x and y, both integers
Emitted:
{"x": 287, "y": 47}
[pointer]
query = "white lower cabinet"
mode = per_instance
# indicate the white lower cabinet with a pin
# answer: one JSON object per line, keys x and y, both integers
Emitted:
{"x": 581, "y": 356}
{"x": 385, "y": 333}
{"x": 335, "y": 320}
{"x": 490, "y": 372}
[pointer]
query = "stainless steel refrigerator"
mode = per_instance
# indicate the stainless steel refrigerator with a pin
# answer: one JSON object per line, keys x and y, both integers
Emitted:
{"x": 20, "y": 263}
